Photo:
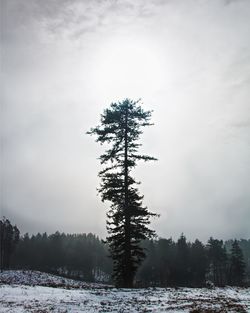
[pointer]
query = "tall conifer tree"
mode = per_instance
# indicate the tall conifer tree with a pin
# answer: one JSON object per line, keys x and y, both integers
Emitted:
{"x": 127, "y": 224}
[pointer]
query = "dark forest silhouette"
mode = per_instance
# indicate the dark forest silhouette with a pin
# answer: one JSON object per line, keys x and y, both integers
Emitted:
{"x": 9, "y": 237}
{"x": 168, "y": 263}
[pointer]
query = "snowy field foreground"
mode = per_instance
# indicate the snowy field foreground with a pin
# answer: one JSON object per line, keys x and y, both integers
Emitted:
{"x": 18, "y": 294}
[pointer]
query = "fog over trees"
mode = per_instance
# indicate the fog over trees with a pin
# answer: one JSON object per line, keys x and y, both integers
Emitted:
{"x": 86, "y": 257}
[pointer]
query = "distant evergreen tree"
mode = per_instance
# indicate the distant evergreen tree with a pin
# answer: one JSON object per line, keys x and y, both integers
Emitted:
{"x": 148, "y": 272}
{"x": 127, "y": 218}
{"x": 218, "y": 261}
{"x": 9, "y": 236}
{"x": 244, "y": 245}
{"x": 165, "y": 256}
{"x": 182, "y": 262}
{"x": 237, "y": 265}
{"x": 198, "y": 263}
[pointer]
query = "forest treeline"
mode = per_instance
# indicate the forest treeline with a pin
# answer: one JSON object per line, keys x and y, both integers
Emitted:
{"x": 194, "y": 264}
{"x": 168, "y": 262}
{"x": 80, "y": 256}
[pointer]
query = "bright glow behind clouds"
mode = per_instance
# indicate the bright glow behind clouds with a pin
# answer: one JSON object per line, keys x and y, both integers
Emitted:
{"x": 129, "y": 65}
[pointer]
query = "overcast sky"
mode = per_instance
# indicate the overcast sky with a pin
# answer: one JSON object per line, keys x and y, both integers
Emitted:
{"x": 64, "y": 61}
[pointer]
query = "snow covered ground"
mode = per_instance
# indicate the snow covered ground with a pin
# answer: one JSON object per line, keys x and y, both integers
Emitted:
{"x": 18, "y": 294}
{"x": 36, "y": 278}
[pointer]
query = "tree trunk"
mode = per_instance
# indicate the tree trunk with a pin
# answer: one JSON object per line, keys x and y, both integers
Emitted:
{"x": 128, "y": 279}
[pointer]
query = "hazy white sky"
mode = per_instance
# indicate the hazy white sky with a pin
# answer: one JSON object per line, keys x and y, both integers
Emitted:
{"x": 63, "y": 62}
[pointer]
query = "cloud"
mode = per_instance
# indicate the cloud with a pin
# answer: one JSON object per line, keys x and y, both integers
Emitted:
{"x": 73, "y": 18}
{"x": 242, "y": 124}
{"x": 55, "y": 85}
